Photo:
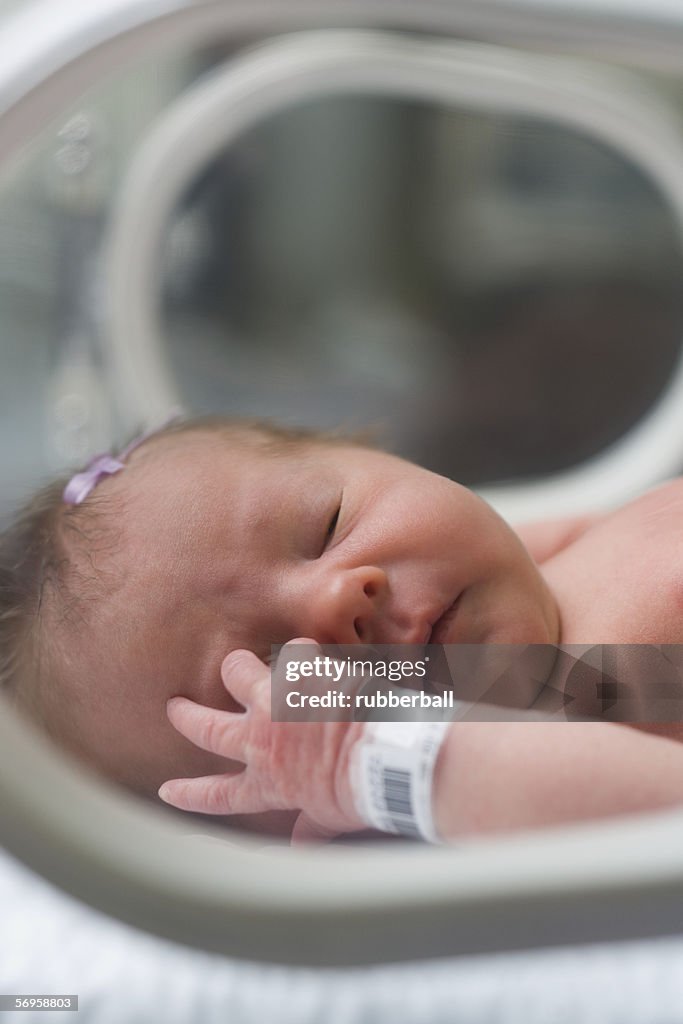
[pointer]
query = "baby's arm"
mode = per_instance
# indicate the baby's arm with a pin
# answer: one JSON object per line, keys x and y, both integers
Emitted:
{"x": 489, "y": 776}
{"x": 500, "y": 776}
{"x": 544, "y": 538}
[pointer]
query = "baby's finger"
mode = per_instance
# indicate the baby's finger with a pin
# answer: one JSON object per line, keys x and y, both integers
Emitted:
{"x": 290, "y": 652}
{"x": 221, "y": 732}
{"x": 210, "y": 794}
{"x": 242, "y": 672}
{"x": 289, "y": 649}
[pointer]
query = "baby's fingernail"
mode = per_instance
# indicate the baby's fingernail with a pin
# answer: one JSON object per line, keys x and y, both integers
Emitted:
{"x": 163, "y": 792}
{"x": 303, "y": 640}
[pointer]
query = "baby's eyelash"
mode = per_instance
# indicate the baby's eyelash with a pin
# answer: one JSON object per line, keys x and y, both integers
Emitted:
{"x": 333, "y": 525}
{"x": 331, "y": 528}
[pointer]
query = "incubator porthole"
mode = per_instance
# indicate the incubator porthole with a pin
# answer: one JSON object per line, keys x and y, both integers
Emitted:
{"x": 480, "y": 308}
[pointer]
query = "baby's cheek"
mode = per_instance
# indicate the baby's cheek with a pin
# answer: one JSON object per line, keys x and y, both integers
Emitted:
{"x": 228, "y": 703}
{"x": 218, "y": 697}
{"x": 190, "y": 761}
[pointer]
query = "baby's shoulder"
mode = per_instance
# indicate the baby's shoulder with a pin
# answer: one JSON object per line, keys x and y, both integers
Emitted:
{"x": 646, "y": 534}
{"x": 663, "y": 501}
{"x": 628, "y": 570}
{"x": 654, "y": 515}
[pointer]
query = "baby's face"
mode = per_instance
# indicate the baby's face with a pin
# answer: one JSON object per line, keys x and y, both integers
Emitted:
{"x": 228, "y": 547}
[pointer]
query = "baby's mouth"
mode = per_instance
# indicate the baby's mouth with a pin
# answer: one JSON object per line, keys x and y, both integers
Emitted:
{"x": 442, "y": 626}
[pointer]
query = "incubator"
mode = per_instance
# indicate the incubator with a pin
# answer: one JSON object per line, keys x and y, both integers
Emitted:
{"x": 454, "y": 224}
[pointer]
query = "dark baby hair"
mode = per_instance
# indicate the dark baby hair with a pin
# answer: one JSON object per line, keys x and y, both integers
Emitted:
{"x": 32, "y": 550}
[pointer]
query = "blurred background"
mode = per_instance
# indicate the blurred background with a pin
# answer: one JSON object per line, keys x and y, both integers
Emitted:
{"x": 495, "y": 297}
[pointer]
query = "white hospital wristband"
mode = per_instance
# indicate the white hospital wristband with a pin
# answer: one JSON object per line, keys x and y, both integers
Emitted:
{"x": 392, "y": 767}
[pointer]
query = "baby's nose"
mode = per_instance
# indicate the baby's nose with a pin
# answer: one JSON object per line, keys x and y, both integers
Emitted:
{"x": 345, "y": 607}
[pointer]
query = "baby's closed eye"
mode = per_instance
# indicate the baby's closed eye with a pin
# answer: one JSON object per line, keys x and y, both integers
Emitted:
{"x": 331, "y": 528}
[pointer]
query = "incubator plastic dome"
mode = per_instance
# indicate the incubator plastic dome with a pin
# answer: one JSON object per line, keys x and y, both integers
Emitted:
{"x": 102, "y": 292}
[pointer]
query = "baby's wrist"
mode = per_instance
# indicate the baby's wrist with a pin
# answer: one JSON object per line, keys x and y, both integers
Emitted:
{"x": 390, "y": 776}
{"x": 343, "y": 785}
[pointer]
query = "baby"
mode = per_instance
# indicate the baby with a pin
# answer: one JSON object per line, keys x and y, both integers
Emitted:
{"x": 173, "y": 577}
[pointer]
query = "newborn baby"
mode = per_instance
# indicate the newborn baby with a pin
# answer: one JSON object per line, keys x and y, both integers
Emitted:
{"x": 175, "y": 575}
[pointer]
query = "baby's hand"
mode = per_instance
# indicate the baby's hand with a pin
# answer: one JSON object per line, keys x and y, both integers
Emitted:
{"x": 288, "y": 765}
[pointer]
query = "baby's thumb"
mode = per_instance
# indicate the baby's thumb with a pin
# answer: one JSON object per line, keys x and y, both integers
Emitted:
{"x": 306, "y": 830}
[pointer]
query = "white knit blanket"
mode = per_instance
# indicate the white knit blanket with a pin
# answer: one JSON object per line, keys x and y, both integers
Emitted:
{"x": 51, "y": 943}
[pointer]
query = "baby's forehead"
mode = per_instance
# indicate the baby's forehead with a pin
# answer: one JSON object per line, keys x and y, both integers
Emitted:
{"x": 171, "y": 493}
{"x": 188, "y": 468}
{"x": 184, "y": 495}
{"x": 173, "y": 534}
{"x": 184, "y": 486}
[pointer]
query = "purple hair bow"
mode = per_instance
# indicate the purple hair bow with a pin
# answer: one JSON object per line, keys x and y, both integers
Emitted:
{"x": 81, "y": 484}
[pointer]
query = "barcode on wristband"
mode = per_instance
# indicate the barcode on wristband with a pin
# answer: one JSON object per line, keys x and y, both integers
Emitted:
{"x": 391, "y": 776}
{"x": 398, "y": 800}
{"x": 396, "y": 790}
